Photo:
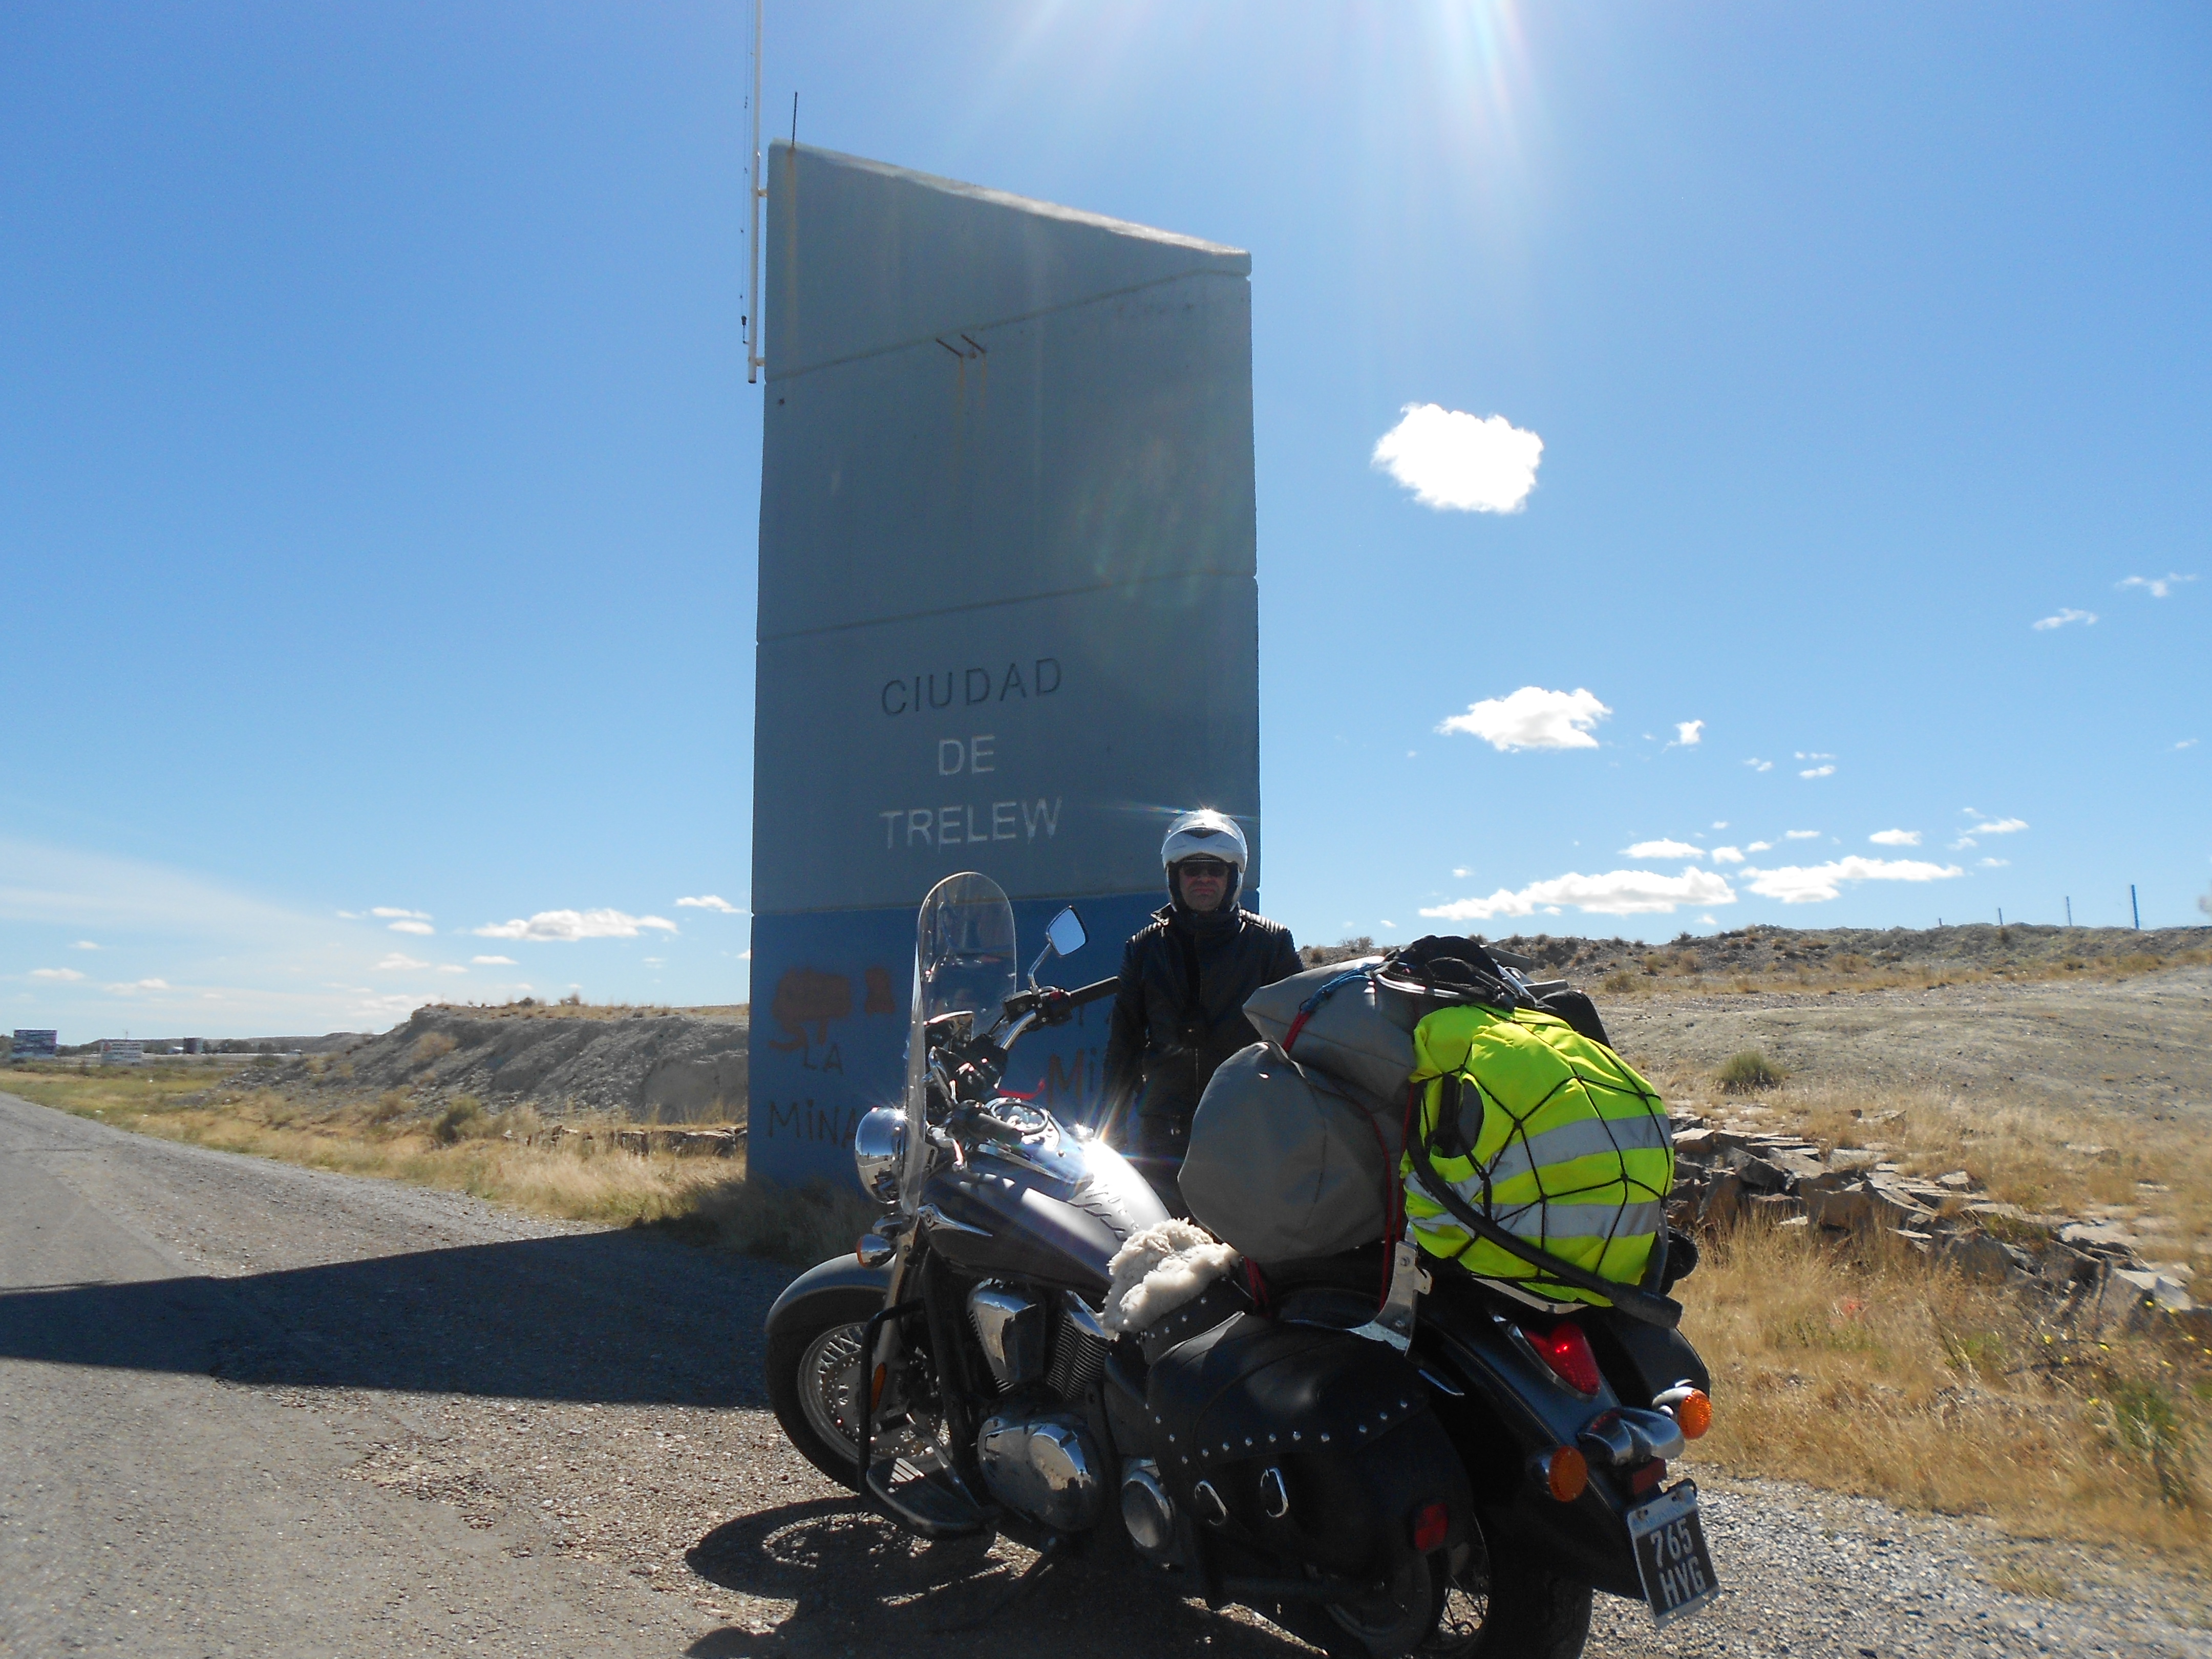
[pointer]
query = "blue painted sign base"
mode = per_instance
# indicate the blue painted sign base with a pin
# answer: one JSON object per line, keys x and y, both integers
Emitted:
{"x": 832, "y": 994}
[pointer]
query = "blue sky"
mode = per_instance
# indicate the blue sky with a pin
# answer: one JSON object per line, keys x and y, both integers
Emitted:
{"x": 378, "y": 474}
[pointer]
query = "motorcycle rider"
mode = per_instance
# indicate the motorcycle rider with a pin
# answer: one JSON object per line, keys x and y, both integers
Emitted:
{"x": 1179, "y": 1009}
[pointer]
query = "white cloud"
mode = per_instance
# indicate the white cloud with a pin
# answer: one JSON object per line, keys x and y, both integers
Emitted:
{"x": 1452, "y": 459}
{"x": 386, "y": 912}
{"x": 1895, "y": 838}
{"x": 1807, "y": 885}
{"x": 568, "y": 925}
{"x": 2001, "y": 827}
{"x": 1720, "y": 823}
{"x": 2186, "y": 743}
{"x": 1764, "y": 845}
{"x": 1758, "y": 765}
{"x": 1458, "y": 874}
{"x": 2063, "y": 617}
{"x": 1813, "y": 754}
{"x": 451, "y": 968}
{"x": 1617, "y": 893}
{"x": 1662, "y": 849}
{"x": 1726, "y": 855}
{"x": 1797, "y": 835}
{"x": 493, "y": 962}
{"x": 1994, "y": 864}
{"x": 87, "y": 944}
{"x": 397, "y": 963}
{"x": 411, "y": 927}
{"x": 55, "y": 973}
{"x": 1817, "y": 772}
{"x": 1963, "y": 843}
{"x": 2157, "y": 586}
{"x": 125, "y": 989}
{"x": 709, "y": 901}
{"x": 1688, "y": 734}
{"x": 1533, "y": 718}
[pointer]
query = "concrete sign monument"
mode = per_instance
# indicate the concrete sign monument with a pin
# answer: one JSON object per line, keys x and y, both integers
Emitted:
{"x": 1008, "y": 617}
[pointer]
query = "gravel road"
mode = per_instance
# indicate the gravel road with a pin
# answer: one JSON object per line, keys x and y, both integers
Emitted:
{"x": 250, "y": 1409}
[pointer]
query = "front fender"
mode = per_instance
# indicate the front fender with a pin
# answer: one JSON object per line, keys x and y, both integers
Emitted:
{"x": 840, "y": 1273}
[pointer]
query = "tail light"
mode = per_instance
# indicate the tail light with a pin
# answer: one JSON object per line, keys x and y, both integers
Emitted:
{"x": 1567, "y": 1352}
{"x": 1431, "y": 1523}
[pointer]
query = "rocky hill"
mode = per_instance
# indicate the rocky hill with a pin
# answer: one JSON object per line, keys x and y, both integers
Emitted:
{"x": 649, "y": 1065}
{"x": 1767, "y": 949}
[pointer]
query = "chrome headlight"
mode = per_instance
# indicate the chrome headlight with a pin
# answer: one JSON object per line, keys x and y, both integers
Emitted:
{"x": 878, "y": 1148}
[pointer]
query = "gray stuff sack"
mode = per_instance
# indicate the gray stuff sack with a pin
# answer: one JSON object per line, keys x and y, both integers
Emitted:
{"x": 1359, "y": 1034}
{"x": 1284, "y": 1163}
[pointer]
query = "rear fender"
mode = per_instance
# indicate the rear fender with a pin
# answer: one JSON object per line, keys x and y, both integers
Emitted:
{"x": 793, "y": 1309}
{"x": 1513, "y": 1408}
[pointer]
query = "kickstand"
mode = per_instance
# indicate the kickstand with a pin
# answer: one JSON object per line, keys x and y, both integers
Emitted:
{"x": 1015, "y": 1591}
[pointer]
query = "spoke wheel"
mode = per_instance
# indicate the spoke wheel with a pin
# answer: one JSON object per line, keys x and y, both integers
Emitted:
{"x": 829, "y": 1387}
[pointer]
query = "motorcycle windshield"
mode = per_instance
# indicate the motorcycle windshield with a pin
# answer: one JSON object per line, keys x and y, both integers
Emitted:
{"x": 964, "y": 960}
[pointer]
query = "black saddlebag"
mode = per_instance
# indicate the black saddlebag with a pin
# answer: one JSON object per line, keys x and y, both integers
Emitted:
{"x": 1306, "y": 1444}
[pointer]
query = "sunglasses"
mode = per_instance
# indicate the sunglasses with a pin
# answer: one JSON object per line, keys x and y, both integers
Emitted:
{"x": 1203, "y": 868}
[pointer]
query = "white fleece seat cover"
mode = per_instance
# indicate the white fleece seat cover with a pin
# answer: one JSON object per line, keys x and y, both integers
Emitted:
{"x": 1158, "y": 1270}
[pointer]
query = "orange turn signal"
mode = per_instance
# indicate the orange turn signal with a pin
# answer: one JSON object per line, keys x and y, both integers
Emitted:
{"x": 876, "y": 1389}
{"x": 1564, "y": 1471}
{"x": 1693, "y": 1413}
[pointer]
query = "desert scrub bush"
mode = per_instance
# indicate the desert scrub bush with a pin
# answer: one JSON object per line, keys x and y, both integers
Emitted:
{"x": 464, "y": 1120}
{"x": 390, "y": 1104}
{"x": 431, "y": 1046}
{"x": 1618, "y": 980}
{"x": 796, "y": 1226}
{"x": 1748, "y": 1072}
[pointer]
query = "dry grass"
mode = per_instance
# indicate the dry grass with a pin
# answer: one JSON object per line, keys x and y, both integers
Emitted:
{"x": 1886, "y": 1377}
{"x": 466, "y": 1149}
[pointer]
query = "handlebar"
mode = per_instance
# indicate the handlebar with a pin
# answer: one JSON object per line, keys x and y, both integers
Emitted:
{"x": 1103, "y": 988}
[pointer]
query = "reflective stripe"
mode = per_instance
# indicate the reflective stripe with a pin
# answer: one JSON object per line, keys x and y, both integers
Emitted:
{"x": 1641, "y": 1133}
{"x": 1558, "y": 1223}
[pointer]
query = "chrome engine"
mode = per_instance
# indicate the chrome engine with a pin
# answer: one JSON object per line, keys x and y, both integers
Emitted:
{"x": 1043, "y": 1466}
{"x": 1039, "y": 1458}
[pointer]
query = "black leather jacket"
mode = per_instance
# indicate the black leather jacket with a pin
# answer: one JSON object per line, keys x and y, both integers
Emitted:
{"x": 1163, "y": 1048}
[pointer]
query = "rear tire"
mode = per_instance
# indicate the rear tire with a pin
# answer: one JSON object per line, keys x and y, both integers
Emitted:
{"x": 1514, "y": 1609}
{"x": 1522, "y": 1612}
{"x": 816, "y": 1377}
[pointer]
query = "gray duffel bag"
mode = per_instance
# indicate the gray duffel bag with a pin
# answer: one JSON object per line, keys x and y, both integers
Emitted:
{"x": 1360, "y": 1033}
{"x": 1286, "y": 1163}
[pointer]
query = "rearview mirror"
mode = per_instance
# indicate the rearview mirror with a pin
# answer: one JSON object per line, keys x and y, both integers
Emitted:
{"x": 1064, "y": 932}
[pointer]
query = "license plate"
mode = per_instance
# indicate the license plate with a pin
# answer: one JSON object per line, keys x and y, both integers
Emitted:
{"x": 1671, "y": 1555}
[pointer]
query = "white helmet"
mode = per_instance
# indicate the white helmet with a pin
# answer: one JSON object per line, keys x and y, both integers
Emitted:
{"x": 1204, "y": 833}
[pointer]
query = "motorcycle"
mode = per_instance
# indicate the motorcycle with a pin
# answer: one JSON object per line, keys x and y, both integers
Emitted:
{"x": 1378, "y": 1452}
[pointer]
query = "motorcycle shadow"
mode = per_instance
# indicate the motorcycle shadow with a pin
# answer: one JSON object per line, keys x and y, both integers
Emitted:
{"x": 855, "y": 1578}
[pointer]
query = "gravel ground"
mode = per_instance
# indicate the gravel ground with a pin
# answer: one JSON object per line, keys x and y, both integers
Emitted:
{"x": 246, "y": 1408}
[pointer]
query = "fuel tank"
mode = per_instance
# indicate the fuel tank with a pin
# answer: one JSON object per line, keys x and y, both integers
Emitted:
{"x": 1034, "y": 1202}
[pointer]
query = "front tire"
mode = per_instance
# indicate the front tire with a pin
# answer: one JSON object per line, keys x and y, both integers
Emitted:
{"x": 815, "y": 1381}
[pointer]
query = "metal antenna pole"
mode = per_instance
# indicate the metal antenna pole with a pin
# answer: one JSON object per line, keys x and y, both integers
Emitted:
{"x": 2135, "y": 907}
{"x": 753, "y": 358}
